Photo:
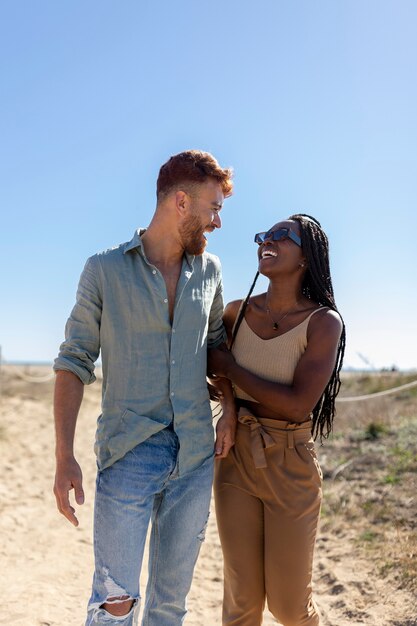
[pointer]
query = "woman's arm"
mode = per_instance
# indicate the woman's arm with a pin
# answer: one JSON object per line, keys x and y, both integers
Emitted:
{"x": 296, "y": 401}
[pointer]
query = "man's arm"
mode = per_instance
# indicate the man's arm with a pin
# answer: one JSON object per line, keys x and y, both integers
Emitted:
{"x": 75, "y": 368}
{"x": 216, "y": 334}
{"x": 226, "y": 425}
{"x": 81, "y": 347}
{"x": 68, "y": 395}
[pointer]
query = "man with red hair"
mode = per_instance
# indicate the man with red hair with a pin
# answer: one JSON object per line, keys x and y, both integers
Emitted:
{"x": 152, "y": 306}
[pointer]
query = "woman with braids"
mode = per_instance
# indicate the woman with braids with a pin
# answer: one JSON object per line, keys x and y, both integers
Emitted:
{"x": 286, "y": 352}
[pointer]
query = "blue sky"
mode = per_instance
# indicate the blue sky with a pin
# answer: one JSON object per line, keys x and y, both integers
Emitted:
{"x": 313, "y": 104}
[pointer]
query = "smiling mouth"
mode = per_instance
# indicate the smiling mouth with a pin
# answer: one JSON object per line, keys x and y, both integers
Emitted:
{"x": 268, "y": 253}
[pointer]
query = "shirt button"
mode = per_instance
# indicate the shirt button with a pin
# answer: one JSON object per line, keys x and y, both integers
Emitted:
{"x": 153, "y": 271}
{"x": 172, "y": 393}
{"x": 173, "y": 361}
{"x": 165, "y": 300}
{"x": 173, "y": 330}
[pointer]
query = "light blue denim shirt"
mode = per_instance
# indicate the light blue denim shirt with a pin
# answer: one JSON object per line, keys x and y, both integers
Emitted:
{"x": 154, "y": 373}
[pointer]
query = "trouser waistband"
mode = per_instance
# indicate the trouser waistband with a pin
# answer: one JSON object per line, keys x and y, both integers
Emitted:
{"x": 261, "y": 429}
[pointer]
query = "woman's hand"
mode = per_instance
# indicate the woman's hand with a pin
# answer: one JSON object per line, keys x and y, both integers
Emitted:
{"x": 220, "y": 361}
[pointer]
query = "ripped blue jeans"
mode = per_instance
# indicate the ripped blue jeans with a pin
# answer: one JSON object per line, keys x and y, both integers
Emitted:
{"x": 141, "y": 487}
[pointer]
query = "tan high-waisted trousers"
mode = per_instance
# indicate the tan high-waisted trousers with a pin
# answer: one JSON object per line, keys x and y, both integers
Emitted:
{"x": 268, "y": 497}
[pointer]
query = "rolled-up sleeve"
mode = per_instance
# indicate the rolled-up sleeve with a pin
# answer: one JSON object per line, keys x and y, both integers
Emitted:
{"x": 81, "y": 348}
{"x": 216, "y": 331}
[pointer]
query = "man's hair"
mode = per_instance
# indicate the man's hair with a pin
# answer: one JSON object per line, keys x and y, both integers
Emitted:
{"x": 184, "y": 171}
{"x": 317, "y": 286}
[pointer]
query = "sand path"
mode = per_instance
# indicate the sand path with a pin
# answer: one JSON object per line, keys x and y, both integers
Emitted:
{"x": 46, "y": 563}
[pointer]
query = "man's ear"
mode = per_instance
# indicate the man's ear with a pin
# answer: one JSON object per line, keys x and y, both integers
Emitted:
{"x": 181, "y": 202}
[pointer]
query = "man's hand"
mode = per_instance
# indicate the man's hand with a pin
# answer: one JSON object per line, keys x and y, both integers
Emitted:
{"x": 68, "y": 476}
{"x": 225, "y": 433}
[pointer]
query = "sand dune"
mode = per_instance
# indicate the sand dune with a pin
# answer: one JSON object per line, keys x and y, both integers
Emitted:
{"x": 46, "y": 563}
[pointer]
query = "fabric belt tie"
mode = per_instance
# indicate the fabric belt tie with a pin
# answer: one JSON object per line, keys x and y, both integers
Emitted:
{"x": 260, "y": 439}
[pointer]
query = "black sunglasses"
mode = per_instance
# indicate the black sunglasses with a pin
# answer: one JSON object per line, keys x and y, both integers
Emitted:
{"x": 277, "y": 235}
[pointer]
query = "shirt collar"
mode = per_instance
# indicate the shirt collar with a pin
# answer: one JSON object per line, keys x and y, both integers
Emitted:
{"x": 136, "y": 242}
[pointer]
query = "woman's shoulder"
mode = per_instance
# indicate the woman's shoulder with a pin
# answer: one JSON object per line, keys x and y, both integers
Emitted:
{"x": 231, "y": 312}
{"x": 324, "y": 319}
{"x": 232, "y": 308}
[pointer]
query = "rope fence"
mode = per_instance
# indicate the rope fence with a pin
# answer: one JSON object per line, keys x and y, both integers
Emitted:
{"x": 378, "y": 394}
{"x": 369, "y": 396}
{"x": 26, "y": 376}
{"x": 30, "y": 378}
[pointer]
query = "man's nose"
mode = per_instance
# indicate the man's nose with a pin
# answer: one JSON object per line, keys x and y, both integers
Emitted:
{"x": 216, "y": 221}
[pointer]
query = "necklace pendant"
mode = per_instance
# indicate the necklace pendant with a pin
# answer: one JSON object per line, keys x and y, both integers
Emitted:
{"x": 275, "y": 326}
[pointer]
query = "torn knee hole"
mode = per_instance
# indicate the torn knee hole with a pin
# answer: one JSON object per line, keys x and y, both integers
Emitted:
{"x": 118, "y": 605}
{"x": 118, "y": 600}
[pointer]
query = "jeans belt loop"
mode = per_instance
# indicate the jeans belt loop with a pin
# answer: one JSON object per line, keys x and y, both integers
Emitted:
{"x": 290, "y": 439}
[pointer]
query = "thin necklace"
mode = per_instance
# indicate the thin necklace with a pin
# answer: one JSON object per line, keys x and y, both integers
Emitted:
{"x": 275, "y": 323}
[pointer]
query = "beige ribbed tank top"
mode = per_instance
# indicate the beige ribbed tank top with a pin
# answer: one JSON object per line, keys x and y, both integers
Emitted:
{"x": 272, "y": 359}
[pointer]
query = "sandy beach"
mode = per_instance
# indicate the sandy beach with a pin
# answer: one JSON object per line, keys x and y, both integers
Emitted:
{"x": 47, "y": 564}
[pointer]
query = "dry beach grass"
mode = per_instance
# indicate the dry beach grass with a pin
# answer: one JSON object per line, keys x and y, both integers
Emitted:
{"x": 366, "y": 558}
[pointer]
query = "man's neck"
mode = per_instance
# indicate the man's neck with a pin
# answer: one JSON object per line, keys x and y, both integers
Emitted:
{"x": 162, "y": 250}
